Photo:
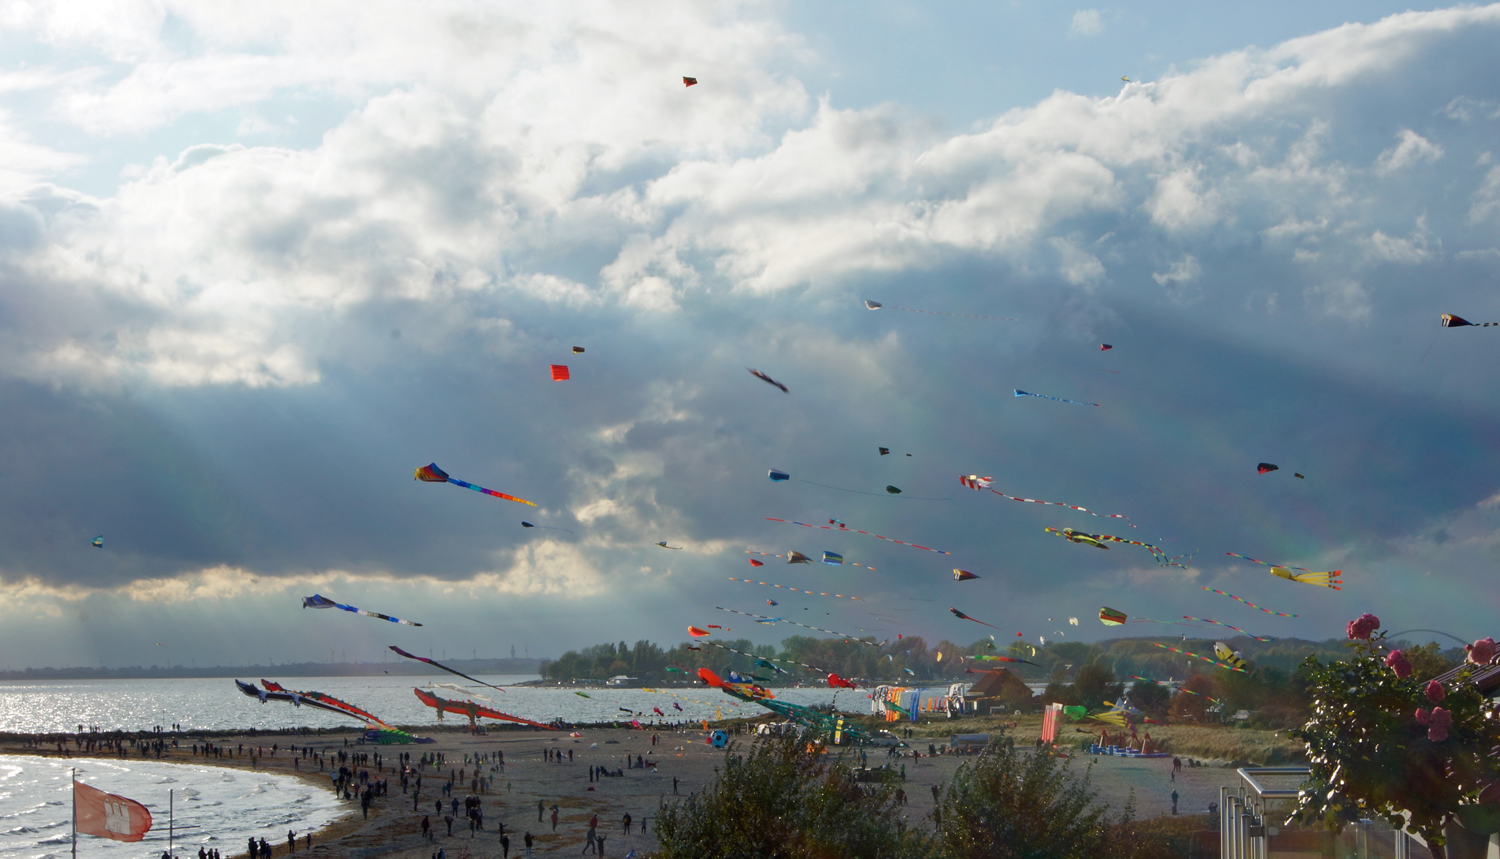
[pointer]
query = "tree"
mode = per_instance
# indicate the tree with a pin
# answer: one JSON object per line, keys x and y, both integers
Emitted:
{"x": 786, "y": 798}
{"x": 1009, "y": 805}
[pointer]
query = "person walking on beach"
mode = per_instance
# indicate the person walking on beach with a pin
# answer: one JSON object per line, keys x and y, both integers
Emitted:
{"x": 1174, "y": 802}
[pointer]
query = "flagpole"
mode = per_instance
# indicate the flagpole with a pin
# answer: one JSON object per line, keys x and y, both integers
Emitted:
{"x": 74, "y": 780}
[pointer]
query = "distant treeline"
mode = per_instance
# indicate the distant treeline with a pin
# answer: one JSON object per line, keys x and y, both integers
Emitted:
{"x": 877, "y": 662}
{"x": 298, "y": 669}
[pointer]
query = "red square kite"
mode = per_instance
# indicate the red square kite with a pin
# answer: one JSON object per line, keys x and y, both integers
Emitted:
{"x": 559, "y": 372}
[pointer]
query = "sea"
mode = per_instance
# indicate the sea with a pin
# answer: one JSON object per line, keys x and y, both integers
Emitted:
{"x": 205, "y": 806}
{"x": 216, "y": 704}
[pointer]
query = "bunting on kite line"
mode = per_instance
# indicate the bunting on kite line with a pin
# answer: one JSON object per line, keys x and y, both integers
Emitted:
{"x": 1021, "y": 393}
{"x": 793, "y": 590}
{"x": 875, "y": 305}
{"x": 971, "y": 480}
{"x": 432, "y": 474}
{"x": 1251, "y": 604}
{"x": 1225, "y": 625}
{"x": 1204, "y": 658}
{"x": 842, "y": 528}
{"x": 435, "y": 664}
{"x": 319, "y": 601}
{"x": 772, "y": 620}
{"x": 1308, "y": 577}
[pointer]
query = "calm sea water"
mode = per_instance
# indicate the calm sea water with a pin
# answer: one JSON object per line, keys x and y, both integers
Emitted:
{"x": 216, "y": 704}
{"x": 211, "y": 806}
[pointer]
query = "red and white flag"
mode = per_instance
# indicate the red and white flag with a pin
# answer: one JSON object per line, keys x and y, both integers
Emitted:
{"x": 109, "y": 816}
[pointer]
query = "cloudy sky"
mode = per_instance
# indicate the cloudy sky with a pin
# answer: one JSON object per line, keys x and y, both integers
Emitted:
{"x": 259, "y": 263}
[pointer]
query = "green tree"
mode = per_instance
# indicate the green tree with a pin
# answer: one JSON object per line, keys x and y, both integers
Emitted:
{"x": 786, "y": 798}
{"x": 1008, "y": 805}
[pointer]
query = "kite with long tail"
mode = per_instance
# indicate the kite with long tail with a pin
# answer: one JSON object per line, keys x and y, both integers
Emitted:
{"x": 1204, "y": 658}
{"x": 975, "y": 483}
{"x": 842, "y": 528}
{"x": 1307, "y": 577}
{"x": 1226, "y": 626}
{"x": 1021, "y": 393}
{"x": 1251, "y": 604}
{"x": 430, "y": 473}
{"x": 320, "y": 601}
{"x": 760, "y": 618}
{"x": 435, "y": 664}
{"x": 875, "y": 305}
{"x": 792, "y": 589}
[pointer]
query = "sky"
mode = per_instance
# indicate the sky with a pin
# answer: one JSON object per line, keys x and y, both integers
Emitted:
{"x": 258, "y": 265}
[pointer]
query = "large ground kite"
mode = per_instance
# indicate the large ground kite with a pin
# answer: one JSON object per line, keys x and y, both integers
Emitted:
{"x": 1328, "y": 579}
{"x": 432, "y": 474}
{"x": 320, "y": 601}
{"x": 435, "y": 664}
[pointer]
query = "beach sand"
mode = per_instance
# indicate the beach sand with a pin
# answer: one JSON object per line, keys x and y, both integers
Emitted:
{"x": 394, "y": 828}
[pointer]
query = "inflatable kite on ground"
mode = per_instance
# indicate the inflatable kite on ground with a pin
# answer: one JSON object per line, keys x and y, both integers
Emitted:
{"x": 966, "y": 481}
{"x": 560, "y": 373}
{"x": 961, "y": 616}
{"x": 1266, "y": 468}
{"x": 1111, "y": 617}
{"x": 875, "y": 305}
{"x": 432, "y": 474}
{"x": 1196, "y": 656}
{"x": 687, "y": 81}
{"x": 1021, "y": 393}
{"x": 764, "y": 378}
{"x": 664, "y": 545}
{"x": 98, "y": 542}
{"x": 1307, "y": 577}
{"x": 1451, "y": 321}
{"x": 1225, "y": 625}
{"x": 963, "y": 576}
{"x": 1251, "y": 604}
{"x": 472, "y": 710}
{"x": 1228, "y": 656}
{"x": 778, "y": 476}
{"x": 847, "y": 530}
{"x": 435, "y": 664}
{"x": 792, "y": 589}
{"x": 319, "y": 601}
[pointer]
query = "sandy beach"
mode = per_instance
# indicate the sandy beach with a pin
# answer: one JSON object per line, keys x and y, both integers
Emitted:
{"x": 394, "y": 826}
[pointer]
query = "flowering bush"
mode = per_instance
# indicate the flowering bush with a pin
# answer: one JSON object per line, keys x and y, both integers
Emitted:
{"x": 1377, "y": 749}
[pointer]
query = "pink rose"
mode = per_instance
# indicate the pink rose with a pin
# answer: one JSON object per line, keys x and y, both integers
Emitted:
{"x": 1438, "y": 721}
{"x": 1435, "y": 691}
{"x": 1396, "y": 661}
{"x": 1361, "y": 628}
{"x": 1481, "y": 651}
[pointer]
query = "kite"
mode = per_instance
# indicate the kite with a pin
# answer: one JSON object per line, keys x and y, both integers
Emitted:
{"x": 1105, "y": 347}
{"x": 1251, "y": 604}
{"x": 525, "y": 524}
{"x": 1204, "y": 658}
{"x": 319, "y": 601}
{"x": 98, "y": 542}
{"x": 698, "y": 633}
{"x": 664, "y": 545}
{"x": 846, "y": 529}
{"x": 792, "y": 589}
{"x": 778, "y": 476}
{"x": 1228, "y": 656}
{"x": 963, "y": 575}
{"x": 432, "y": 474}
{"x": 1223, "y": 624}
{"x": 985, "y": 657}
{"x": 764, "y": 378}
{"x": 985, "y": 481}
{"x": 1111, "y": 617}
{"x": 400, "y": 652}
{"x": 1266, "y": 468}
{"x": 961, "y": 616}
{"x": 687, "y": 81}
{"x": 1307, "y": 577}
{"x": 975, "y": 482}
{"x": 875, "y": 305}
{"x": 472, "y": 710}
{"x": 1451, "y": 321}
{"x": 1021, "y": 393}
{"x": 1096, "y": 540}
{"x": 892, "y": 490}
{"x": 560, "y": 373}
{"x": 577, "y": 350}
{"x": 770, "y": 620}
